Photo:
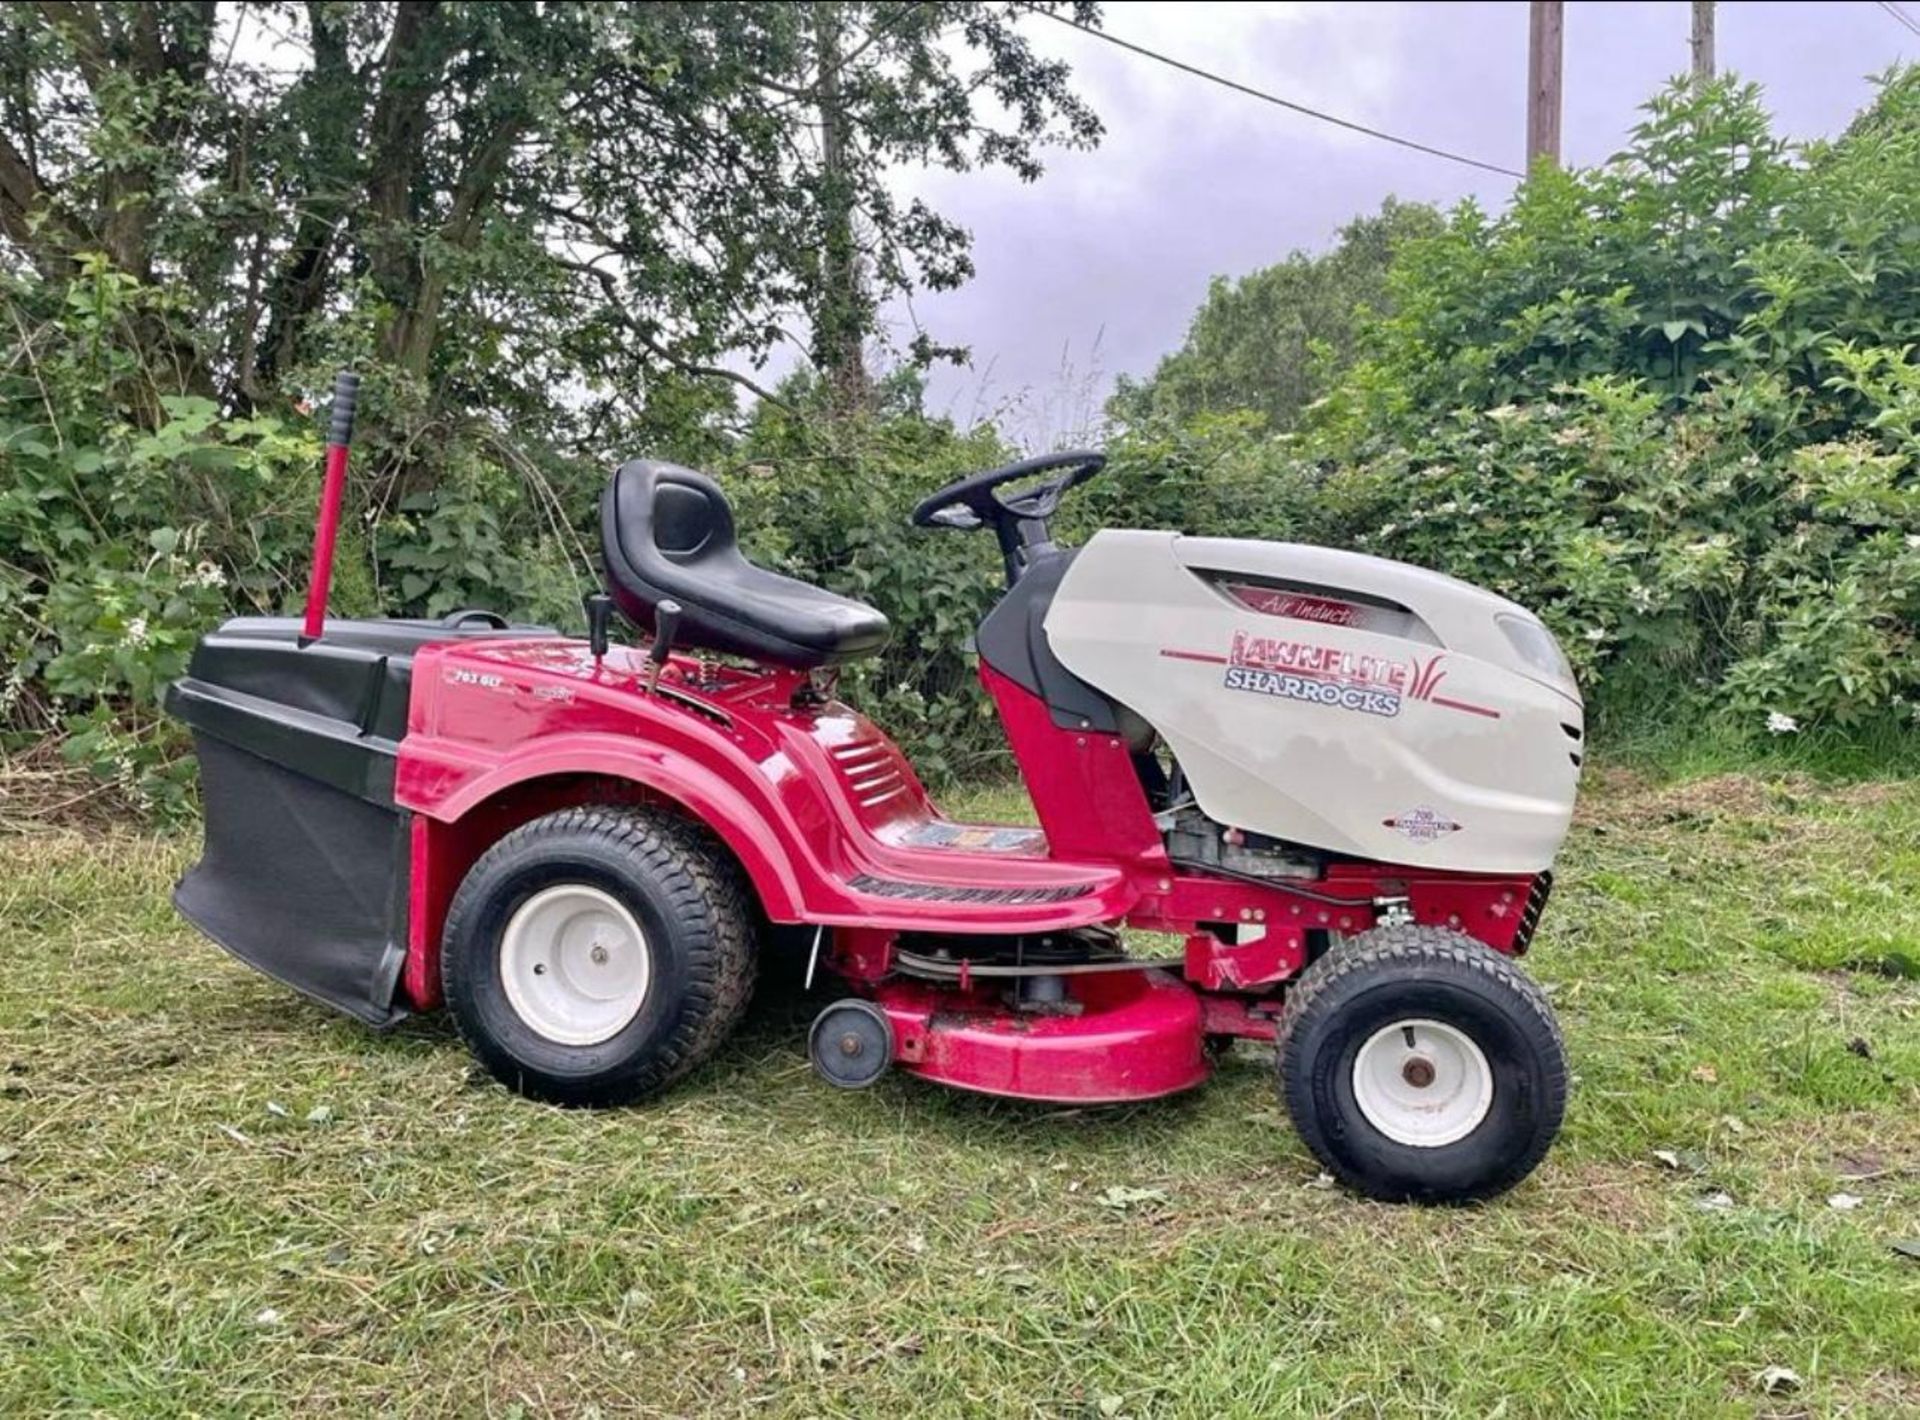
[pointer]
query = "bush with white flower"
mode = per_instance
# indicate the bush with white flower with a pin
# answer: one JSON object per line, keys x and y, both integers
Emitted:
{"x": 1672, "y": 405}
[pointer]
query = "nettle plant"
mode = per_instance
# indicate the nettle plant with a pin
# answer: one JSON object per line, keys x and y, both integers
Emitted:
{"x": 828, "y": 501}
{"x": 1673, "y": 553}
{"x": 1838, "y": 606}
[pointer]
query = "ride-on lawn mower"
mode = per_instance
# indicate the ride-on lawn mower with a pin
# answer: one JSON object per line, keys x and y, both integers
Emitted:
{"x": 1336, "y": 782}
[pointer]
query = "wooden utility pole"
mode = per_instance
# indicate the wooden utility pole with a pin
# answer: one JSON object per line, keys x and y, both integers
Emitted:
{"x": 1702, "y": 43}
{"x": 1543, "y": 80}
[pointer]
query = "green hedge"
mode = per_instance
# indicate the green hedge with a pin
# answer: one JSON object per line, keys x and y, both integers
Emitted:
{"x": 1671, "y": 403}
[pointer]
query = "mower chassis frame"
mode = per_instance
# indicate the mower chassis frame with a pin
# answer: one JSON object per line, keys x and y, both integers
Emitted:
{"x": 833, "y": 829}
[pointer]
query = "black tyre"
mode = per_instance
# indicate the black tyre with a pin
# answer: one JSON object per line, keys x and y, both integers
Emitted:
{"x": 1422, "y": 1066}
{"x": 594, "y": 956}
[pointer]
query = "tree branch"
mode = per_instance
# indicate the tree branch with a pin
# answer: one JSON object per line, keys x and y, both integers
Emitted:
{"x": 618, "y": 303}
{"x": 27, "y": 215}
{"x": 78, "y": 22}
{"x": 477, "y": 181}
{"x": 300, "y": 281}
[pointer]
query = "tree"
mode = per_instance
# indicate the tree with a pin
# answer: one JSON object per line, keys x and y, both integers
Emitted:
{"x": 1272, "y": 341}
{"x": 549, "y": 235}
{"x": 884, "y": 87}
{"x": 500, "y": 201}
{"x": 1670, "y": 403}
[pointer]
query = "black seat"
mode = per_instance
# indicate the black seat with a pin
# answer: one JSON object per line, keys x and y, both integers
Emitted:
{"x": 667, "y": 533}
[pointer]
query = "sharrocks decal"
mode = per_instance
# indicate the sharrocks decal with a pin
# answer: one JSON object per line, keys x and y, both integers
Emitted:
{"x": 1320, "y": 675}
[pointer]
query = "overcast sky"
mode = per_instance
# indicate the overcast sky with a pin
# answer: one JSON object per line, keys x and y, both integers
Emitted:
{"x": 1097, "y": 268}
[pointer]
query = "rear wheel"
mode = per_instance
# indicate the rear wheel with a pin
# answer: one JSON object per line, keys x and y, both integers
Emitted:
{"x": 594, "y": 956}
{"x": 1421, "y": 1065}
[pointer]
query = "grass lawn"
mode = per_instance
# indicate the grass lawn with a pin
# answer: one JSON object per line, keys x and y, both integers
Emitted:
{"x": 217, "y": 1198}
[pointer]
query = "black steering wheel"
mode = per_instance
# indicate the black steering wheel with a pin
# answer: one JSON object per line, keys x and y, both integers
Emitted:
{"x": 974, "y": 502}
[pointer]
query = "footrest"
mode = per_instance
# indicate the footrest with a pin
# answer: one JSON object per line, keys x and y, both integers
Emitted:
{"x": 953, "y": 892}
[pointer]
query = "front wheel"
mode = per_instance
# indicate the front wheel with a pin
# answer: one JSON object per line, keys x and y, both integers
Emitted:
{"x": 1422, "y": 1066}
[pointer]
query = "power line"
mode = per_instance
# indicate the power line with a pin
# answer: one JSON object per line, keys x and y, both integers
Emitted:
{"x": 1898, "y": 14}
{"x": 1275, "y": 99}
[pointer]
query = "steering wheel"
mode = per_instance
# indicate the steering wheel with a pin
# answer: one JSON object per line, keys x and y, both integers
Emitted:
{"x": 973, "y": 501}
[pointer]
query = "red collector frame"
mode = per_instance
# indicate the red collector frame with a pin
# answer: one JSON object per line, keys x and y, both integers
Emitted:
{"x": 833, "y": 828}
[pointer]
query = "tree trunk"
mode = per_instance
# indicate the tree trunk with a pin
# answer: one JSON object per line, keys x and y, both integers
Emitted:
{"x": 465, "y": 222}
{"x": 840, "y": 317}
{"x": 1702, "y": 44}
{"x": 410, "y": 71}
{"x": 29, "y": 220}
{"x": 156, "y": 58}
{"x": 300, "y": 280}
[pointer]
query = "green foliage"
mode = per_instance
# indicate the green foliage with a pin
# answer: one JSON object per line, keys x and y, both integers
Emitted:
{"x": 535, "y": 230}
{"x": 555, "y": 213}
{"x": 1635, "y": 268}
{"x": 121, "y": 540}
{"x": 1272, "y": 341}
{"x": 1672, "y": 404}
{"x": 827, "y": 501}
{"x": 1664, "y": 549}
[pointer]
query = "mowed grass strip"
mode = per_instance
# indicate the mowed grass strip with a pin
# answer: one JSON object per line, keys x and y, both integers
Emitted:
{"x": 216, "y": 1198}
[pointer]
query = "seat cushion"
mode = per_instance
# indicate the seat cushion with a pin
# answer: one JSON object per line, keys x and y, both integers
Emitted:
{"x": 667, "y": 533}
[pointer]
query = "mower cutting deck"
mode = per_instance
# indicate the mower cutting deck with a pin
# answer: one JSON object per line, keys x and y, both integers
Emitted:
{"x": 1332, "y": 785}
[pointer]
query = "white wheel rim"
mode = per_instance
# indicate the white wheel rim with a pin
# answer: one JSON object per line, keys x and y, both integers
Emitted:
{"x": 575, "y": 964}
{"x": 1422, "y": 1083}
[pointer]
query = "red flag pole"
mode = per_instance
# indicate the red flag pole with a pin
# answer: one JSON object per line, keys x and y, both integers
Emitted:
{"x": 346, "y": 391}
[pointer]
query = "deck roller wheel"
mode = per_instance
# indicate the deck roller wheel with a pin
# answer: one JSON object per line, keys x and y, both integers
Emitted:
{"x": 851, "y": 1044}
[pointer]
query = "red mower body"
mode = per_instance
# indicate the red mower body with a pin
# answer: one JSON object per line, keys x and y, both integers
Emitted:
{"x": 833, "y": 828}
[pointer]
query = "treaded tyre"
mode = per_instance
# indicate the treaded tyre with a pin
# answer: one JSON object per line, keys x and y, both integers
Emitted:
{"x": 596, "y": 955}
{"x": 1422, "y": 1066}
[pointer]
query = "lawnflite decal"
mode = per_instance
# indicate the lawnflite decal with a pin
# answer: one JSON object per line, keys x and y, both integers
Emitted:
{"x": 1422, "y": 825}
{"x": 1425, "y": 685}
{"x": 1319, "y": 675}
{"x": 1329, "y": 675}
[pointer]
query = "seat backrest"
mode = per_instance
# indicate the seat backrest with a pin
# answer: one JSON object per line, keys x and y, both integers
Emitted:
{"x": 690, "y": 515}
{"x": 666, "y": 531}
{"x": 658, "y": 521}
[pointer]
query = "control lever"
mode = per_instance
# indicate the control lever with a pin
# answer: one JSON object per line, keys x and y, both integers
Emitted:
{"x": 599, "y": 609}
{"x": 666, "y": 621}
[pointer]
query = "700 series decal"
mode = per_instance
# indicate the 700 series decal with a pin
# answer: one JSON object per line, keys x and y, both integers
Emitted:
{"x": 1330, "y": 675}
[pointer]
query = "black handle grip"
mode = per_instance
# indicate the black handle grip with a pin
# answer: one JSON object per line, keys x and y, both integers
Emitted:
{"x": 599, "y": 609}
{"x": 666, "y": 621}
{"x": 346, "y": 394}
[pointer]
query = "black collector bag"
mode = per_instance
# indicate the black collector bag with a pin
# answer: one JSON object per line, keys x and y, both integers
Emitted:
{"x": 304, "y": 871}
